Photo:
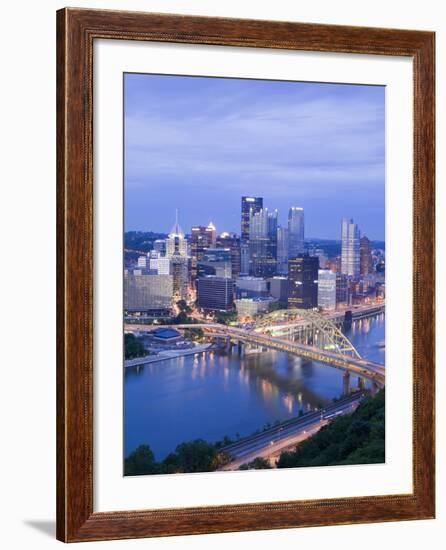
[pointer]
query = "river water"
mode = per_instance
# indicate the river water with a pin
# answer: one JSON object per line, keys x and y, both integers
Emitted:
{"x": 218, "y": 393}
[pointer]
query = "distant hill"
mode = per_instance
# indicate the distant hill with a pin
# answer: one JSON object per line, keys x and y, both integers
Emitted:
{"x": 141, "y": 241}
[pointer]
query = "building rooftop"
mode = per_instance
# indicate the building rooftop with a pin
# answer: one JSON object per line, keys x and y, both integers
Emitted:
{"x": 165, "y": 333}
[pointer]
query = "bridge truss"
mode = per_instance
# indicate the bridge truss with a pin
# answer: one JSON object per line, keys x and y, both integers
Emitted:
{"x": 308, "y": 327}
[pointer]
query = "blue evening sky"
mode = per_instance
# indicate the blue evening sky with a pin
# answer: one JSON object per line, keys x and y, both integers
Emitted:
{"x": 198, "y": 144}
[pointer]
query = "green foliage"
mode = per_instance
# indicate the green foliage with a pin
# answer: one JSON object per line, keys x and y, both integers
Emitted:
{"x": 226, "y": 317}
{"x": 133, "y": 347}
{"x": 183, "y": 307}
{"x": 258, "y": 463}
{"x": 358, "y": 438}
{"x": 181, "y": 319}
{"x": 276, "y": 306}
{"x": 195, "y": 334}
{"x": 190, "y": 457}
{"x": 141, "y": 462}
{"x": 194, "y": 456}
{"x": 141, "y": 241}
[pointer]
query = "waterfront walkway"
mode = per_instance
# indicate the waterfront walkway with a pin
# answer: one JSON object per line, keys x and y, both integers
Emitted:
{"x": 166, "y": 354}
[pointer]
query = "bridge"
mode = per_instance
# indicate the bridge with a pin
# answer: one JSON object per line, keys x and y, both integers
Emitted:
{"x": 319, "y": 339}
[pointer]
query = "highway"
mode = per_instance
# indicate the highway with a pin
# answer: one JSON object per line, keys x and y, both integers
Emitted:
{"x": 287, "y": 434}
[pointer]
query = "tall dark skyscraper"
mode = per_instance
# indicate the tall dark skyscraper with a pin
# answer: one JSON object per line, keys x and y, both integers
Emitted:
{"x": 231, "y": 241}
{"x": 303, "y": 281}
{"x": 263, "y": 243}
{"x": 342, "y": 293}
{"x": 215, "y": 293}
{"x": 201, "y": 239}
{"x": 249, "y": 205}
{"x": 365, "y": 256}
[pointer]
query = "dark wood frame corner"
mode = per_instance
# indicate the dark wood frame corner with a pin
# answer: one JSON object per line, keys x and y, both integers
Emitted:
{"x": 76, "y": 31}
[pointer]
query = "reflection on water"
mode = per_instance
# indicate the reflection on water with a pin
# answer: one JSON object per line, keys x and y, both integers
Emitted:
{"x": 216, "y": 394}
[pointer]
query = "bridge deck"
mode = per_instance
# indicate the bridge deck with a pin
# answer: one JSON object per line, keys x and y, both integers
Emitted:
{"x": 362, "y": 367}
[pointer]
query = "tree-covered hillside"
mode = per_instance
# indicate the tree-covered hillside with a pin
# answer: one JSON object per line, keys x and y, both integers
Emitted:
{"x": 358, "y": 438}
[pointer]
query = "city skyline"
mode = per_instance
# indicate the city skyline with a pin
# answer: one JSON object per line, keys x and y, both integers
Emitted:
{"x": 188, "y": 232}
{"x": 248, "y": 126}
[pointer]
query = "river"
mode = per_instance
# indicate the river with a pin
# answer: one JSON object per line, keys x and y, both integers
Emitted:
{"x": 222, "y": 393}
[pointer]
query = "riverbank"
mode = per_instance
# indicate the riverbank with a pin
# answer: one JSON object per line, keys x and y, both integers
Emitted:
{"x": 167, "y": 354}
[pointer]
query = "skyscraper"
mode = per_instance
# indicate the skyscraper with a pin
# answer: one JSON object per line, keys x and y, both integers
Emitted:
{"x": 160, "y": 246}
{"x": 176, "y": 243}
{"x": 231, "y": 241}
{"x": 215, "y": 261}
{"x": 282, "y": 250}
{"x": 342, "y": 291}
{"x": 365, "y": 256}
{"x": 263, "y": 243}
{"x": 244, "y": 258}
{"x": 176, "y": 251}
{"x": 146, "y": 292}
{"x": 326, "y": 292}
{"x": 303, "y": 282}
{"x": 249, "y": 205}
{"x": 215, "y": 293}
{"x": 296, "y": 231}
{"x": 212, "y": 232}
{"x": 201, "y": 239}
{"x": 350, "y": 248}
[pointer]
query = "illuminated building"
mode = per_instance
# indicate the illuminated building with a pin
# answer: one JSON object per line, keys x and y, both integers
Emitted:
{"x": 296, "y": 231}
{"x": 250, "y": 205}
{"x": 232, "y": 242}
{"x": 215, "y": 261}
{"x": 263, "y": 243}
{"x": 251, "y": 287}
{"x": 215, "y": 293}
{"x": 282, "y": 250}
{"x": 201, "y": 239}
{"x": 250, "y": 307}
{"x": 176, "y": 251}
{"x": 342, "y": 289}
{"x": 365, "y": 256}
{"x": 176, "y": 243}
{"x": 326, "y": 292}
{"x": 350, "y": 248}
{"x": 278, "y": 288}
{"x": 303, "y": 281}
{"x": 147, "y": 292}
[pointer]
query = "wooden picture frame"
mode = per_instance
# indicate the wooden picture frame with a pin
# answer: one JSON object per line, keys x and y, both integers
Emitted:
{"x": 76, "y": 31}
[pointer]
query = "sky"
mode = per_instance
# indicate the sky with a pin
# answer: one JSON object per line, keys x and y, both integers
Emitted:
{"x": 198, "y": 144}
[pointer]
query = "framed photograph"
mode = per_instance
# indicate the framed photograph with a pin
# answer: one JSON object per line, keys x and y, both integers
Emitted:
{"x": 245, "y": 275}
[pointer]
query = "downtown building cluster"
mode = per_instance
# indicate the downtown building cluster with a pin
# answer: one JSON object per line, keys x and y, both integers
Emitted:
{"x": 267, "y": 266}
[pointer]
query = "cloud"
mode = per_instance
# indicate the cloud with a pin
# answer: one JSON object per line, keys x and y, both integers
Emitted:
{"x": 321, "y": 139}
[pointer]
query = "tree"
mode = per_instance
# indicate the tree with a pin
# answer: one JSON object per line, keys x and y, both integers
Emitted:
{"x": 259, "y": 463}
{"x": 193, "y": 456}
{"x": 140, "y": 462}
{"x": 133, "y": 347}
{"x": 183, "y": 307}
{"x": 226, "y": 317}
{"x": 358, "y": 438}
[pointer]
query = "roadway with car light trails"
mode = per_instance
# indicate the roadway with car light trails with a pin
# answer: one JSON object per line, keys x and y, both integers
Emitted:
{"x": 287, "y": 434}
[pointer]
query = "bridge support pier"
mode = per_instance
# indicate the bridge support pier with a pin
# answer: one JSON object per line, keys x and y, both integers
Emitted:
{"x": 361, "y": 383}
{"x": 228, "y": 343}
{"x": 346, "y": 383}
{"x": 241, "y": 349}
